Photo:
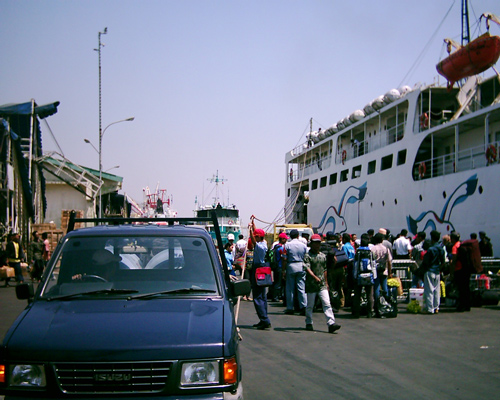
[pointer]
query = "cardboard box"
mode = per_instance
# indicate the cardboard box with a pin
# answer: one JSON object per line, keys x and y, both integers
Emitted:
{"x": 417, "y": 294}
{"x": 7, "y": 272}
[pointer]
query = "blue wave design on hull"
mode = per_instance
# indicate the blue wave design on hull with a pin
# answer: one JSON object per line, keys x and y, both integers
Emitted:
{"x": 333, "y": 216}
{"x": 431, "y": 220}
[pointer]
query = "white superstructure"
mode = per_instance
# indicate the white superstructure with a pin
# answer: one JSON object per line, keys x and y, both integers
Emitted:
{"x": 421, "y": 159}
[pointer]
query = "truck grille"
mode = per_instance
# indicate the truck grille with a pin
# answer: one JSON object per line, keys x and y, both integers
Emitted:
{"x": 141, "y": 377}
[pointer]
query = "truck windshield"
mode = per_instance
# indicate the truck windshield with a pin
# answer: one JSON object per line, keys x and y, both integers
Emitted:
{"x": 142, "y": 264}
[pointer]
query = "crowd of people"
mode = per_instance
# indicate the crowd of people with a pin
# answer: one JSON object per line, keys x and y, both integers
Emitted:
{"x": 12, "y": 255}
{"x": 335, "y": 271}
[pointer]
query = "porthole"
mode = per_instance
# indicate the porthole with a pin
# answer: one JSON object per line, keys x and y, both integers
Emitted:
{"x": 383, "y": 203}
{"x": 480, "y": 189}
{"x": 444, "y": 195}
{"x": 396, "y": 201}
{"x": 371, "y": 205}
{"x": 420, "y": 198}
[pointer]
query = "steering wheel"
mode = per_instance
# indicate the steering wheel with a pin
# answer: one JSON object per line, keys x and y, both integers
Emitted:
{"x": 93, "y": 278}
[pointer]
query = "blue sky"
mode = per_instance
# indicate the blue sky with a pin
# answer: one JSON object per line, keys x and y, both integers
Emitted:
{"x": 214, "y": 85}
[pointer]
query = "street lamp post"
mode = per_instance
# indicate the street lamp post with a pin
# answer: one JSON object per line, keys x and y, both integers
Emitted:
{"x": 101, "y": 134}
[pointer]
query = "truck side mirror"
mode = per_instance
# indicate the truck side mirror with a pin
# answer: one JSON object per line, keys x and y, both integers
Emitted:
{"x": 241, "y": 287}
{"x": 25, "y": 291}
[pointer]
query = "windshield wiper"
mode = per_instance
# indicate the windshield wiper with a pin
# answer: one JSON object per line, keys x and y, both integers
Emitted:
{"x": 102, "y": 291}
{"x": 175, "y": 291}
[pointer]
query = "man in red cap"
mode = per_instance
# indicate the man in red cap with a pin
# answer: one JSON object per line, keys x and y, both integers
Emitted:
{"x": 259, "y": 292}
{"x": 317, "y": 285}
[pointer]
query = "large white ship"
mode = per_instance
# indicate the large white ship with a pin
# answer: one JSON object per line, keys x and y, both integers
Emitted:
{"x": 418, "y": 158}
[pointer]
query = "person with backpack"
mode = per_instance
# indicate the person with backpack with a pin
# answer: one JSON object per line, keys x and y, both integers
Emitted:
{"x": 364, "y": 275}
{"x": 317, "y": 285}
{"x": 276, "y": 260}
{"x": 383, "y": 260}
{"x": 432, "y": 264}
{"x": 336, "y": 263}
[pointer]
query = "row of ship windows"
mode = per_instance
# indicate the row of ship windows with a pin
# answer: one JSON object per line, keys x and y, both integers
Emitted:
{"x": 385, "y": 163}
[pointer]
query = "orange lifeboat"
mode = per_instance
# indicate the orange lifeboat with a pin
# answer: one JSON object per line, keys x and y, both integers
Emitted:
{"x": 474, "y": 58}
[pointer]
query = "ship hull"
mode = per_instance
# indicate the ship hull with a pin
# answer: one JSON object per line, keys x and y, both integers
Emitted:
{"x": 411, "y": 167}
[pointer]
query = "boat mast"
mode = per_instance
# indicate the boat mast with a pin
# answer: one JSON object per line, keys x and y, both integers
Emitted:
{"x": 465, "y": 23}
{"x": 215, "y": 179}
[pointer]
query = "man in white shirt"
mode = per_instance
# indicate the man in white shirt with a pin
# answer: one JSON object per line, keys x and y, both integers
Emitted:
{"x": 402, "y": 246}
{"x": 240, "y": 247}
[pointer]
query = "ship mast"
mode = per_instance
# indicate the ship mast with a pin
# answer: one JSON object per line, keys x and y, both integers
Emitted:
{"x": 215, "y": 179}
{"x": 465, "y": 23}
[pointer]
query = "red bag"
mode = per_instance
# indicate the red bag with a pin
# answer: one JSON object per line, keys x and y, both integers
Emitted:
{"x": 264, "y": 276}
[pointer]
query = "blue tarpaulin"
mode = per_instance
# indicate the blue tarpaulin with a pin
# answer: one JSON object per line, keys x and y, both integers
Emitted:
{"x": 19, "y": 117}
{"x": 25, "y": 109}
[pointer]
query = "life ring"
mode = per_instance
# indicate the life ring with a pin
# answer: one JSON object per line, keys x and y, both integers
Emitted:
{"x": 230, "y": 222}
{"x": 344, "y": 156}
{"x": 424, "y": 121}
{"x": 422, "y": 169}
{"x": 491, "y": 153}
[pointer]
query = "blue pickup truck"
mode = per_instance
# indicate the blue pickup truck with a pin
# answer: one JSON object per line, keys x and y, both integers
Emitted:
{"x": 127, "y": 310}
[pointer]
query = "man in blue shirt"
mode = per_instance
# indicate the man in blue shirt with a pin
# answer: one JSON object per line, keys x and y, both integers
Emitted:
{"x": 295, "y": 273}
{"x": 259, "y": 292}
{"x": 349, "y": 284}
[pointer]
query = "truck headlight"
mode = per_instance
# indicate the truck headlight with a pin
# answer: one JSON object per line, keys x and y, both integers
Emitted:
{"x": 200, "y": 373}
{"x": 27, "y": 375}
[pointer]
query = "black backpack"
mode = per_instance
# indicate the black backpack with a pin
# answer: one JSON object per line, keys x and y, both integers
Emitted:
{"x": 342, "y": 259}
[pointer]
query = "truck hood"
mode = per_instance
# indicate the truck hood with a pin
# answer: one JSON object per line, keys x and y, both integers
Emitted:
{"x": 121, "y": 330}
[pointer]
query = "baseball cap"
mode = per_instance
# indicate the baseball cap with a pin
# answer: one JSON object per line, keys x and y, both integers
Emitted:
{"x": 315, "y": 238}
{"x": 283, "y": 235}
{"x": 259, "y": 232}
{"x": 230, "y": 237}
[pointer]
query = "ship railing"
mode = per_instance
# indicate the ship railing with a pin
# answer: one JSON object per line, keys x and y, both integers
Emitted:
{"x": 310, "y": 167}
{"x": 468, "y": 159}
{"x": 372, "y": 143}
